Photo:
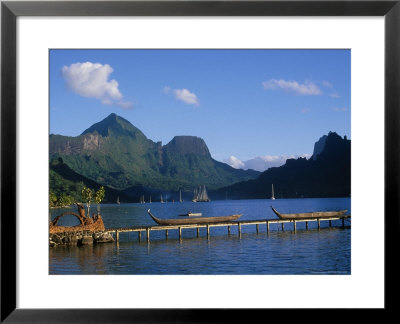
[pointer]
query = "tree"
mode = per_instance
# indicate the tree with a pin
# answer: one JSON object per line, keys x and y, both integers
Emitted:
{"x": 87, "y": 195}
{"x": 98, "y": 197}
{"x": 65, "y": 200}
{"x": 52, "y": 199}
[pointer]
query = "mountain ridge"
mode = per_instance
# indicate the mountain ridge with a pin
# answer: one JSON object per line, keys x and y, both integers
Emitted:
{"x": 115, "y": 153}
{"x": 326, "y": 175}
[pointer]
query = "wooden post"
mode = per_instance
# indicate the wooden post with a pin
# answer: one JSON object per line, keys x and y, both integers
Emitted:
{"x": 330, "y": 223}
{"x": 294, "y": 226}
{"x": 319, "y": 224}
{"x": 240, "y": 229}
{"x": 306, "y": 225}
{"x": 140, "y": 235}
{"x": 267, "y": 227}
{"x": 117, "y": 236}
{"x": 208, "y": 231}
{"x": 198, "y": 231}
{"x": 148, "y": 235}
{"x": 229, "y": 229}
{"x": 283, "y": 227}
{"x": 166, "y": 234}
{"x": 343, "y": 222}
{"x": 257, "y": 228}
{"x": 180, "y": 232}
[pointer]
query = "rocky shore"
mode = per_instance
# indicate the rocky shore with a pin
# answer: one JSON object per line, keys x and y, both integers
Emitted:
{"x": 80, "y": 238}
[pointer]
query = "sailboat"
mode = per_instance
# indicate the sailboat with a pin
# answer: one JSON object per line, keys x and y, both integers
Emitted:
{"x": 150, "y": 200}
{"x": 161, "y": 200}
{"x": 200, "y": 195}
{"x": 273, "y": 196}
{"x": 142, "y": 199}
{"x": 180, "y": 196}
{"x": 118, "y": 200}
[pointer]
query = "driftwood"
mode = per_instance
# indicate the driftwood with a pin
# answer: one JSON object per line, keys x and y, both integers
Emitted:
{"x": 87, "y": 223}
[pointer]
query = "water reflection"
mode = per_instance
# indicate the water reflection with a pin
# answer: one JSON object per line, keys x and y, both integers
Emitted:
{"x": 306, "y": 251}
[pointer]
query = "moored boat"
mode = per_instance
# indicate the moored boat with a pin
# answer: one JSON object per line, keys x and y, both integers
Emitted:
{"x": 319, "y": 214}
{"x": 194, "y": 220}
{"x": 191, "y": 214}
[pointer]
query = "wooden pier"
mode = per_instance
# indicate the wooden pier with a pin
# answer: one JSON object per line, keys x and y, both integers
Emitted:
{"x": 238, "y": 224}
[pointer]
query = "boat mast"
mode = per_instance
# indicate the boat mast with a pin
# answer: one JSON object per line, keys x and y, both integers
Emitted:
{"x": 273, "y": 196}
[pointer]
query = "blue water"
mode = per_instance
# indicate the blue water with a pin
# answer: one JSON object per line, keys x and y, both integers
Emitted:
{"x": 312, "y": 251}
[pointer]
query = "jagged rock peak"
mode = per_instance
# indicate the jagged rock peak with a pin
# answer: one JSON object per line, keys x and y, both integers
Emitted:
{"x": 321, "y": 144}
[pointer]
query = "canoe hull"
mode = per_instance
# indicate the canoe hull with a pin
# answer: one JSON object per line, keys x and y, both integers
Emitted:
{"x": 194, "y": 220}
{"x": 336, "y": 213}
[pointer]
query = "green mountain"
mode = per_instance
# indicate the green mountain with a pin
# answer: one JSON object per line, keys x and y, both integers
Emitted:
{"x": 326, "y": 174}
{"x": 64, "y": 181}
{"x": 116, "y": 154}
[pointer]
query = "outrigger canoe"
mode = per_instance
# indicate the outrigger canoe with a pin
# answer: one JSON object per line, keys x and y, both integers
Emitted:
{"x": 320, "y": 214}
{"x": 194, "y": 220}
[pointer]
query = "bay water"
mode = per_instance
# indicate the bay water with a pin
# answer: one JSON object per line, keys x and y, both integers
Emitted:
{"x": 310, "y": 252}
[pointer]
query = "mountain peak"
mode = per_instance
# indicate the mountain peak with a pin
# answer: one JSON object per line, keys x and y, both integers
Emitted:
{"x": 113, "y": 124}
{"x": 328, "y": 144}
{"x": 188, "y": 145}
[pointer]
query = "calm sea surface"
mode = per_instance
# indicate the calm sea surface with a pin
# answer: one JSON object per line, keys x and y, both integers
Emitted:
{"x": 312, "y": 251}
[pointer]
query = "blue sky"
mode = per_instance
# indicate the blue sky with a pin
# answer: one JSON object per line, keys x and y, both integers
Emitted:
{"x": 250, "y": 106}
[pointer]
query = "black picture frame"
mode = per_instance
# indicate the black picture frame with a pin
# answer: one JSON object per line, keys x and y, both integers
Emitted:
{"x": 10, "y": 10}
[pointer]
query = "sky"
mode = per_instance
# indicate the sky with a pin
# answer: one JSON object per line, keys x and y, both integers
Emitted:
{"x": 253, "y": 108}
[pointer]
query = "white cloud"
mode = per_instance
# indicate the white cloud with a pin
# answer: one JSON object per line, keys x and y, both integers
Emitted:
{"x": 334, "y": 95}
{"x": 90, "y": 80}
{"x": 183, "y": 95}
{"x": 186, "y": 96}
{"x": 234, "y": 162}
{"x": 306, "y": 88}
{"x": 262, "y": 163}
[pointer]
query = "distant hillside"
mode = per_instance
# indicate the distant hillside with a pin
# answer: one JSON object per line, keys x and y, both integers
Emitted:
{"x": 64, "y": 181}
{"x": 326, "y": 174}
{"x": 116, "y": 154}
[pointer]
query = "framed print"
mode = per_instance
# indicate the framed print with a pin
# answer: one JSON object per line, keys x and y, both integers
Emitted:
{"x": 157, "y": 135}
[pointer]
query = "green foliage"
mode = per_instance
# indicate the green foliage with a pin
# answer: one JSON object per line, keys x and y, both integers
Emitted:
{"x": 87, "y": 196}
{"x": 98, "y": 197}
{"x": 60, "y": 201}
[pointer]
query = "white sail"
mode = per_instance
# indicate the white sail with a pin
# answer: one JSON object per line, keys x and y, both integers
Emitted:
{"x": 201, "y": 195}
{"x": 273, "y": 195}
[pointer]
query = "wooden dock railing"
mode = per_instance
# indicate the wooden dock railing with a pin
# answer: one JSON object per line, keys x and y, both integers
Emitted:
{"x": 238, "y": 224}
